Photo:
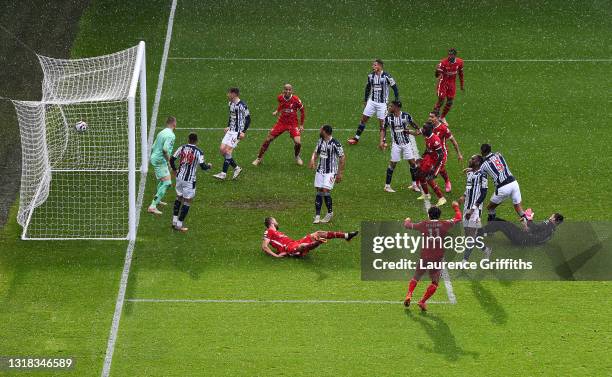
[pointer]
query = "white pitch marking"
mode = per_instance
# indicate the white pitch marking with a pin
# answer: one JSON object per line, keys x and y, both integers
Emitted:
{"x": 251, "y": 301}
{"x": 112, "y": 338}
{"x": 212, "y": 58}
{"x": 264, "y": 129}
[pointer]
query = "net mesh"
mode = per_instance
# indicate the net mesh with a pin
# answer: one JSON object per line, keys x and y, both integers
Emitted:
{"x": 74, "y": 183}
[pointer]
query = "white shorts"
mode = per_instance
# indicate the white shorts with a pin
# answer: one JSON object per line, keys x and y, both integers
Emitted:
{"x": 402, "y": 152}
{"x": 415, "y": 147}
{"x": 325, "y": 181}
{"x": 511, "y": 190}
{"x": 378, "y": 108}
{"x": 231, "y": 139}
{"x": 474, "y": 220}
{"x": 185, "y": 189}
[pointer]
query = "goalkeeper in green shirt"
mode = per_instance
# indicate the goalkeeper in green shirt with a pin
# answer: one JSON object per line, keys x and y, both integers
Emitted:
{"x": 160, "y": 157}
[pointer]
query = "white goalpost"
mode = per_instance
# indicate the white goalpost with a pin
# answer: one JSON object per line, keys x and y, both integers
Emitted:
{"x": 79, "y": 148}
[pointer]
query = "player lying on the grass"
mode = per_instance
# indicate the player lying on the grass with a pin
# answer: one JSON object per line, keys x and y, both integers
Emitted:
{"x": 430, "y": 165}
{"x": 472, "y": 199}
{"x": 329, "y": 171}
{"x": 444, "y": 133}
{"x": 376, "y": 97}
{"x": 447, "y": 71}
{"x": 403, "y": 144}
{"x": 188, "y": 156}
{"x": 534, "y": 234}
{"x": 160, "y": 157}
{"x": 288, "y": 107}
{"x": 506, "y": 186}
{"x": 287, "y": 247}
{"x": 434, "y": 230}
{"x": 237, "y": 125}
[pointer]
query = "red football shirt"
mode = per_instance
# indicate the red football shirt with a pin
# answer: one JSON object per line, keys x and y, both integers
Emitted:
{"x": 288, "y": 108}
{"x": 449, "y": 71}
{"x": 277, "y": 239}
{"x": 434, "y": 232}
{"x": 432, "y": 144}
{"x": 444, "y": 134}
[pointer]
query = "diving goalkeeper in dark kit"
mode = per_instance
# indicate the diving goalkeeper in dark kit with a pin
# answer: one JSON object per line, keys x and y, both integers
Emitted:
{"x": 536, "y": 233}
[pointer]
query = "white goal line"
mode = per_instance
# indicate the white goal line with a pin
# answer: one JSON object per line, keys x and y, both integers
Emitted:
{"x": 265, "y": 129}
{"x": 338, "y": 60}
{"x": 253, "y": 301}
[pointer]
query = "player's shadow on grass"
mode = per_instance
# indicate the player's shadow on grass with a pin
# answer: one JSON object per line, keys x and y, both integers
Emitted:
{"x": 489, "y": 303}
{"x": 444, "y": 342}
{"x": 312, "y": 265}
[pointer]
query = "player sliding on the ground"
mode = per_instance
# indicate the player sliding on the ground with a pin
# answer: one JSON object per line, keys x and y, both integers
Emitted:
{"x": 288, "y": 107}
{"x": 430, "y": 165}
{"x": 237, "y": 125}
{"x": 433, "y": 230}
{"x": 188, "y": 156}
{"x": 506, "y": 186}
{"x": 403, "y": 143}
{"x": 160, "y": 157}
{"x": 447, "y": 71}
{"x": 376, "y": 96}
{"x": 444, "y": 133}
{"x": 329, "y": 171}
{"x": 472, "y": 199}
{"x": 287, "y": 247}
{"x": 535, "y": 234}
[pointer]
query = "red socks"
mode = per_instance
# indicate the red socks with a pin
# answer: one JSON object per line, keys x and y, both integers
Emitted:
{"x": 263, "y": 149}
{"x": 431, "y": 289}
{"x": 444, "y": 174}
{"x": 447, "y": 108}
{"x": 411, "y": 286}
{"x": 330, "y": 235}
{"x": 436, "y": 188}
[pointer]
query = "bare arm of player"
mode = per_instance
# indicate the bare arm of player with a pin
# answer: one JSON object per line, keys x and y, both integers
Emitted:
{"x": 265, "y": 246}
{"x": 383, "y": 136}
{"x": 461, "y": 83}
{"x": 313, "y": 158}
{"x": 302, "y": 117}
{"x": 456, "y": 146}
{"x": 457, "y": 217}
{"x": 341, "y": 169}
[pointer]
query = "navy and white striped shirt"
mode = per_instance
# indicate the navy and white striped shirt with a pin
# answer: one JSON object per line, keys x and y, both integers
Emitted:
{"x": 399, "y": 127}
{"x": 377, "y": 87}
{"x": 189, "y": 156}
{"x": 329, "y": 151}
{"x": 239, "y": 117}
{"x": 495, "y": 166}
{"x": 475, "y": 190}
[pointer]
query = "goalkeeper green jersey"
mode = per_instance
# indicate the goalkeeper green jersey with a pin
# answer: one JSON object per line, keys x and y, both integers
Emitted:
{"x": 163, "y": 142}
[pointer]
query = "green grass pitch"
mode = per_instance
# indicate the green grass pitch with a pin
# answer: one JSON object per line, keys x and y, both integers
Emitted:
{"x": 549, "y": 118}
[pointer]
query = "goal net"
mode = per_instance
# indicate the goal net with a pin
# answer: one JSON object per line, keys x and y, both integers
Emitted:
{"x": 79, "y": 148}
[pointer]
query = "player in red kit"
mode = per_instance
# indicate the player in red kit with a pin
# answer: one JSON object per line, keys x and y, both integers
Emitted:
{"x": 430, "y": 165}
{"x": 447, "y": 71}
{"x": 444, "y": 133}
{"x": 288, "y": 107}
{"x": 434, "y": 230}
{"x": 288, "y": 247}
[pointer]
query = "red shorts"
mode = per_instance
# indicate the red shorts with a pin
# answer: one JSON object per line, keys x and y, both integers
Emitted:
{"x": 427, "y": 163}
{"x": 292, "y": 246}
{"x": 446, "y": 89}
{"x": 434, "y": 273}
{"x": 279, "y": 128}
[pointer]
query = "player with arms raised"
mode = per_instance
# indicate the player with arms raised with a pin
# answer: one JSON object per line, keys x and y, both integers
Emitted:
{"x": 188, "y": 155}
{"x": 433, "y": 230}
{"x": 403, "y": 143}
{"x": 288, "y": 247}
{"x": 444, "y": 133}
{"x": 447, "y": 71}
{"x": 430, "y": 165}
{"x": 160, "y": 157}
{"x": 376, "y": 97}
{"x": 237, "y": 125}
{"x": 288, "y": 106}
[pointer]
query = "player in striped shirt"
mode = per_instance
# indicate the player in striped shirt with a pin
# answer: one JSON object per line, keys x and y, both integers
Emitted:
{"x": 376, "y": 97}
{"x": 329, "y": 171}
{"x": 237, "y": 125}
{"x": 506, "y": 186}
{"x": 403, "y": 144}
{"x": 160, "y": 157}
{"x": 188, "y": 156}
{"x": 288, "y": 247}
{"x": 472, "y": 199}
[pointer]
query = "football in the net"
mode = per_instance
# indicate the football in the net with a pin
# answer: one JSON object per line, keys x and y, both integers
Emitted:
{"x": 80, "y": 126}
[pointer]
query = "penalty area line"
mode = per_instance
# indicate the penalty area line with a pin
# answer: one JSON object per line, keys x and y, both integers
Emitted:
{"x": 348, "y": 60}
{"x": 253, "y": 301}
{"x": 266, "y": 129}
{"x": 112, "y": 338}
